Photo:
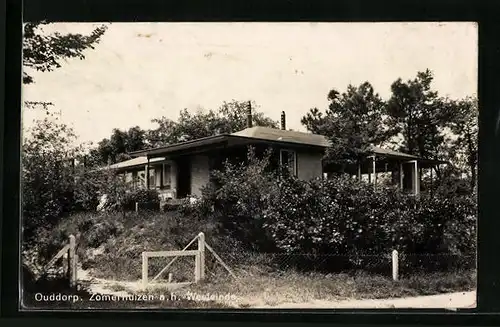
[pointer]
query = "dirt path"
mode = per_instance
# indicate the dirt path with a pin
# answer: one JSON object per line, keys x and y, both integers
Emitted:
{"x": 115, "y": 287}
{"x": 447, "y": 301}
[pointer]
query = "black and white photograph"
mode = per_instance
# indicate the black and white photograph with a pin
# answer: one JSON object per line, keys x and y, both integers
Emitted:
{"x": 249, "y": 165}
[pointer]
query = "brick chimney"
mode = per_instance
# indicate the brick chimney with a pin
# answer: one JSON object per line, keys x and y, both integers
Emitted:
{"x": 283, "y": 121}
{"x": 249, "y": 115}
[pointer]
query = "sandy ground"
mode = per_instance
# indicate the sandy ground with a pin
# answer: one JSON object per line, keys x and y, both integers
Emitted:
{"x": 447, "y": 301}
{"x": 104, "y": 286}
{"x": 451, "y": 301}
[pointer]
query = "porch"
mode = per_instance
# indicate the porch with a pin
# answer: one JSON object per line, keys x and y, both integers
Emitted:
{"x": 403, "y": 171}
{"x": 170, "y": 177}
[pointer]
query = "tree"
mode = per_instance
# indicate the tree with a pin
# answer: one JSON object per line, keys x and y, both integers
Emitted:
{"x": 353, "y": 122}
{"x": 116, "y": 148}
{"x": 238, "y": 197}
{"x": 229, "y": 118}
{"x": 419, "y": 115}
{"x": 54, "y": 185}
{"x": 464, "y": 144}
{"x": 45, "y": 52}
{"x": 47, "y": 177}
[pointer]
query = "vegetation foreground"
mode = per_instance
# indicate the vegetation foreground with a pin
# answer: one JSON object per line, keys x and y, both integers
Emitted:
{"x": 258, "y": 291}
{"x": 110, "y": 246}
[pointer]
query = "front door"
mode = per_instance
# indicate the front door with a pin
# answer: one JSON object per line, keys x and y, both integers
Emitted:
{"x": 183, "y": 177}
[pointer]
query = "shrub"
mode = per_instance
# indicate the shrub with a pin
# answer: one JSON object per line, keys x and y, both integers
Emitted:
{"x": 239, "y": 200}
{"x": 146, "y": 199}
{"x": 88, "y": 188}
{"x": 112, "y": 242}
{"x": 352, "y": 222}
{"x": 47, "y": 180}
{"x": 344, "y": 217}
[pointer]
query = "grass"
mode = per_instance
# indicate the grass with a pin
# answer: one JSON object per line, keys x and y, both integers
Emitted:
{"x": 252, "y": 290}
{"x": 121, "y": 240}
{"x": 292, "y": 287}
{"x": 118, "y": 288}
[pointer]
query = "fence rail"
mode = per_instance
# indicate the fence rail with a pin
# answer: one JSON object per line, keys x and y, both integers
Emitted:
{"x": 218, "y": 264}
{"x": 395, "y": 265}
{"x": 72, "y": 261}
{"x": 199, "y": 260}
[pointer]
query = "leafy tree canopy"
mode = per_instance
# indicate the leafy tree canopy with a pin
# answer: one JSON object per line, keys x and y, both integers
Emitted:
{"x": 44, "y": 52}
{"x": 228, "y": 118}
{"x": 120, "y": 143}
{"x": 419, "y": 115}
{"x": 353, "y": 122}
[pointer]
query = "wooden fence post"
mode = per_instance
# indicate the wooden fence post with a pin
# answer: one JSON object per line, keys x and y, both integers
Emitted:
{"x": 72, "y": 261}
{"x": 395, "y": 265}
{"x": 144, "y": 270}
{"x": 201, "y": 257}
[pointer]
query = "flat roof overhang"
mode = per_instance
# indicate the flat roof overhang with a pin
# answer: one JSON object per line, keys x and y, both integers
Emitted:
{"x": 227, "y": 140}
{"x": 211, "y": 142}
{"x": 183, "y": 147}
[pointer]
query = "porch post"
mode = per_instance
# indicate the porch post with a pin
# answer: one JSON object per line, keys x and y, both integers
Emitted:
{"x": 416, "y": 178}
{"x": 374, "y": 166}
{"x": 161, "y": 174}
{"x": 147, "y": 175}
{"x": 431, "y": 183}
{"x": 401, "y": 185}
{"x": 420, "y": 169}
{"x": 370, "y": 174}
{"x": 359, "y": 171}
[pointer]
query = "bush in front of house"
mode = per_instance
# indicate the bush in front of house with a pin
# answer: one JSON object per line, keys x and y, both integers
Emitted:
{"x": 341, "y": 222}
{"x": 237, "y": 200}
{"x": 353, "y": 221}
{"x": 146, "y": 199}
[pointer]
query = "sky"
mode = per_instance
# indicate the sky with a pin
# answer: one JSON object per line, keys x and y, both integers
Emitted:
{"x": 141, "y": 71}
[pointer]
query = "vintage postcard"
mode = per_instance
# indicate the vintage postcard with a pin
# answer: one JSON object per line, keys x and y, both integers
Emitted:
{"x": 249, "y": 165}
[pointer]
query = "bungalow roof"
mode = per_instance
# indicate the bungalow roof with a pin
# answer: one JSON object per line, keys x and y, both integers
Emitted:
{"x": 255, "y": 133}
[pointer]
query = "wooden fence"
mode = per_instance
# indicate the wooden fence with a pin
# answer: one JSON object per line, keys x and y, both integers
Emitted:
{"x": 72, "y": 261}
{"x": 199, "y": 259}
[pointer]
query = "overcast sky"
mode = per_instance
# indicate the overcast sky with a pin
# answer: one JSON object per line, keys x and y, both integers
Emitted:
{"x": 141, "y": 71}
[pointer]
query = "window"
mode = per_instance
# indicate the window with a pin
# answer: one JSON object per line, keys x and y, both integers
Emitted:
{"x": 167, "y": 176}
{"x": 288, "y": 159}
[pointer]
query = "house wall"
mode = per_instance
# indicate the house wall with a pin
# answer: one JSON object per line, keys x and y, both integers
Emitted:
{"x": 309, "y": 165}
{"x": 200, "y": 173}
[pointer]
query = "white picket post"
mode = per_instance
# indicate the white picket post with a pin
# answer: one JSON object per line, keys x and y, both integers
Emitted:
{"x": 197, "y": 267}
{"x": 144, "y": 270}
{"x": 201, "y": 257}
{"x": 395, "y": 265}
{"x": 72, "y": 261}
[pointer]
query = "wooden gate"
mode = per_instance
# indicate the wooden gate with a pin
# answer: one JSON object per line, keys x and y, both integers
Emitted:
{"x": 72, "y": 261}
{"x": 199, "y": 260}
